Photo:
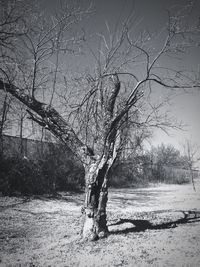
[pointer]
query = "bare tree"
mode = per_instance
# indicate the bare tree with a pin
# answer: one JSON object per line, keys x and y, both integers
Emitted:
{"x": 4, "y": 122}
{"x": 191, "y": 152}
{"x": 109, "y": 102}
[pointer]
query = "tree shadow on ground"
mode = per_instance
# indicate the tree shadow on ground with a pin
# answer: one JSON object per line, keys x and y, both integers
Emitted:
{"x": 143, "y": 225}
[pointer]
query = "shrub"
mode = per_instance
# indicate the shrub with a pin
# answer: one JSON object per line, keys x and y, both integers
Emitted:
{"x": 20, "y": 175}
{"x": 48, "y": 174}
{"x": 127, "y": 173}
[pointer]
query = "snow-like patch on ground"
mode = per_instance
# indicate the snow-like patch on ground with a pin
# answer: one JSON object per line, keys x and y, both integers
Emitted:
{"x": 146, "y": 229}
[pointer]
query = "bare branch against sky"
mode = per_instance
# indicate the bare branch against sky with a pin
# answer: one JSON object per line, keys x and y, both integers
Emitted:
{"x": 106, "y": 19}
{"x": 114, "y": 65}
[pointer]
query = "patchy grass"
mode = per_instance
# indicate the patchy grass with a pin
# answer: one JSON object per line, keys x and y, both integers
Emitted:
{"x": 147, "y": 228}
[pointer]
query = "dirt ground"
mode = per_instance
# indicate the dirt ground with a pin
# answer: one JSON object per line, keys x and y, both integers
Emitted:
{"x": 155, "y": 226}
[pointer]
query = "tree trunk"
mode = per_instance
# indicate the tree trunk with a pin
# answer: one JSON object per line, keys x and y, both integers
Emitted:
{"x": 96, "y": 196}
{"x": 96, "y": 169}
{"x": 21, "y": 135}
{"x": 3, "y": 120}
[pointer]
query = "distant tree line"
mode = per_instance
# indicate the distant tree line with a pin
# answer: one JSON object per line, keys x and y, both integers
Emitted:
{"x": 54, "y": 168}
{"x": 161, "y": 164}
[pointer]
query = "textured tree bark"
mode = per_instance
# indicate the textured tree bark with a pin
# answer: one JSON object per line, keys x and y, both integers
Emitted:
{"x": 96, "y": 169}
{"x": 50, "y": 118}
{"x": 3, "y": 120}
{"x": 96, "y": 196}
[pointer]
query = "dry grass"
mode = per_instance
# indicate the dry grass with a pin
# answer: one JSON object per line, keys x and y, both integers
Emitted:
{"x": 144, "y": 226}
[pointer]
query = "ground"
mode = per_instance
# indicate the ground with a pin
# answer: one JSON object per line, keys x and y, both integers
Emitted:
{"x": 155, "y": 226}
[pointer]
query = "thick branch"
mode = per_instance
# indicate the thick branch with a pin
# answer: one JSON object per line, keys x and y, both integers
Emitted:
{"x": 113, "y": 95}
{"x": 55, "y": 122}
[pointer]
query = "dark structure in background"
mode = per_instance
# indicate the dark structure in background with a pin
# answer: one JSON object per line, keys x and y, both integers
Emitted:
{"x": 35, "y": 167}
{"x": 13, "y": 146}
{"x": 30, "y": 166}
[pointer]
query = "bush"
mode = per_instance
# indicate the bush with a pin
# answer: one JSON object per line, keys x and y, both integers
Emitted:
{"x": 167, "y": 174}
{"x": 172, "y": 175}
{"x": 20, "y": 175}
{"x": 127, "y": 173}
{"x": 52, "y": 172}
{"x": 61, "y": 170}
{"x": 131, "y": 172}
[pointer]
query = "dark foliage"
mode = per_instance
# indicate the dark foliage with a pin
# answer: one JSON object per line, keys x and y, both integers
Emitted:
{"x": 163, "y": 164}
{"x": 50, "y": 173}
{"x": 57, "y": 170}
{"x": 127, "y": 173}
{"x": 20, "y": 175}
